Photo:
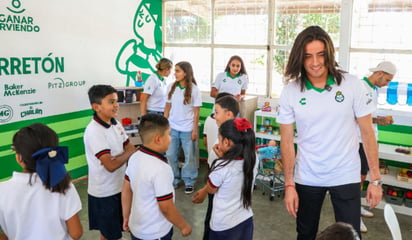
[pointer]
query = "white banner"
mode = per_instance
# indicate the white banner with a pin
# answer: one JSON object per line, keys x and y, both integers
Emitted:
{"x": 51, "y": 52}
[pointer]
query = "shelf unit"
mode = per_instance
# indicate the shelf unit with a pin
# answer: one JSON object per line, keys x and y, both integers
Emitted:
{"x": 386, "y": 151}
{"x": 130, "y": 110}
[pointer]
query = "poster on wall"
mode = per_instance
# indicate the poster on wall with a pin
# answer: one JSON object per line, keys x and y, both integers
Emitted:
{"x": 52, "y": 52}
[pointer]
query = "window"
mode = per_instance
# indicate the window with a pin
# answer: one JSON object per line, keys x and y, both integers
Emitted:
{"x": 290, "y": 18}
{"x": 209, "y": 32}
{"x": 380, "y": 32}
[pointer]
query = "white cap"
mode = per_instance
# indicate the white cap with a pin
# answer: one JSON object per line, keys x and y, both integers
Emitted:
{"x": 386, "y": 67}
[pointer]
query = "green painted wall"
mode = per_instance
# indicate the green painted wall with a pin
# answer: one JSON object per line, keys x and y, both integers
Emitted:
{"x": 69, "y": 127}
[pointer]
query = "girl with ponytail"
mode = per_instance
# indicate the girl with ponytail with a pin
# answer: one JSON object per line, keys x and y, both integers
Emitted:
{"x": 231, "y": 180}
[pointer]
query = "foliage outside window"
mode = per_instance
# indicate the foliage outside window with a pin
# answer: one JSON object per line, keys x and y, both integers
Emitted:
{"x": 262, "y": 33}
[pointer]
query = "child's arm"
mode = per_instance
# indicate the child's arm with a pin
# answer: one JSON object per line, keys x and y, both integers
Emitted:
{"x": 169, "y": 210}
{"x": 200, "y": 195}
{"x": 111, "y": 163}
{"x": 167, "y": 110}
{"x": 195, "y": 132}
{"x": 74, "y": 227}
{"x": 127, "y": 196}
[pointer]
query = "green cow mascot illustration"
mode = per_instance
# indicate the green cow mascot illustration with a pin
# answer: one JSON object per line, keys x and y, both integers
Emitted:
{"x": 137, "y": 57}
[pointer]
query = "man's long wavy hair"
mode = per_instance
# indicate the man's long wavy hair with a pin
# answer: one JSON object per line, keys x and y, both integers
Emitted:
{"x": 295, "y": 69}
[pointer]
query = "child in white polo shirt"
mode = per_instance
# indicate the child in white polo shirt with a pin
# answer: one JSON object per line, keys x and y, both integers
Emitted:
{"x": 231, "y": 180}
{"x": 107, "y": 149}
{"x": 233, "y": 80}
{"x": 148, "y": 205}
{"x": 182, "y": 109}
{"x": 40, "y": 202}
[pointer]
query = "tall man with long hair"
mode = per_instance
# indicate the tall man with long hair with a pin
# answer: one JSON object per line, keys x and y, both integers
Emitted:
{"x": 326, "y": 104}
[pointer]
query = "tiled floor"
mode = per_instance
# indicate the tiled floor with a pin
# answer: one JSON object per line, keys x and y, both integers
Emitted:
{"x": 271, "y": 220}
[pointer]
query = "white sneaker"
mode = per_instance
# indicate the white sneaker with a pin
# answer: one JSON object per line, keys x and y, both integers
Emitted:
{"x": 363, "y": 228}
{"x": 366, "y": 213}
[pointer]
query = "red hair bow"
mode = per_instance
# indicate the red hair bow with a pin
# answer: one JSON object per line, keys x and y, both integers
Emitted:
{"x": 242, "y": 124}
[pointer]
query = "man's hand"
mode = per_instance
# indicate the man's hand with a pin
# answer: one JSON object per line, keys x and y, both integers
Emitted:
{"x": 291, "y": 200}
{"x": 373, "y": 195}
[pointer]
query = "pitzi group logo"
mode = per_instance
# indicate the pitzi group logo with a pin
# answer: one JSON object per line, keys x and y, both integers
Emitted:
{"x": 60, "y": 83}
{"x": 6, "y": 113}
{"x": 16, "y": 22}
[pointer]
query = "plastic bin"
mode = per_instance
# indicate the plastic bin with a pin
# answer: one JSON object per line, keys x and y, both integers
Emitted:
{"x": 392, "y": 198}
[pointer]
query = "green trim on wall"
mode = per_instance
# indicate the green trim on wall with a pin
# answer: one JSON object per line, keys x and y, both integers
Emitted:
{"x": 396, "y": 128}
{"x": 69, "y": 128}
{"x": 204, "y": 112}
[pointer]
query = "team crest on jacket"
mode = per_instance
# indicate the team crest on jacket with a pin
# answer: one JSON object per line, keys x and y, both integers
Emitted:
{"x": 339, "y": 96}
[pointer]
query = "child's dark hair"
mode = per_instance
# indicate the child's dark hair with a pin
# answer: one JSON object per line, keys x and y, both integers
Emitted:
{"x": 32, "y": 138}
{"x": 98, "y": 92}
{"x": 242, "y": 65}
{"x": 151, "y": 124}
{"x": 338, "y": 231}
{"x": 189, "y": 80}
{"x": 222, "y": 94}
{"x": 229, "y": 103}
{"x": 243, "y": 139}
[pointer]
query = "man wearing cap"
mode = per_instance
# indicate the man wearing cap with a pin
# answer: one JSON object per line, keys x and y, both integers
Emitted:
{"x": 380, "y": 77}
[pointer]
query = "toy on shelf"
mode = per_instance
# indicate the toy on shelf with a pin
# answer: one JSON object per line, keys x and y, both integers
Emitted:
{"x": 266, "y": 107}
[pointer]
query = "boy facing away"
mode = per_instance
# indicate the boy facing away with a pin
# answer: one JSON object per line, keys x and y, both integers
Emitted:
{"x": 148, "y": 205}
{"x": 107, "y": 150}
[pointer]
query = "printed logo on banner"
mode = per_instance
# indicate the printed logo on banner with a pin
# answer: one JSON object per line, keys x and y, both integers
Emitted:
{"x": 31, "y": 111}
{"x": 6, "y": 113}
{"x": 14, "y": 20}
{"x": 137, "y": 57}
{"x": 60, "y": 83}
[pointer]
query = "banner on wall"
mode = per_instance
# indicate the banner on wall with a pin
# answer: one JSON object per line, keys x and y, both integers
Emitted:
{"x": 52, "y": 52}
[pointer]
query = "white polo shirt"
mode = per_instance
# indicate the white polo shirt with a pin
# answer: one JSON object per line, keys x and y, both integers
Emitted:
{"x": 228, "y": 210}
{"x": 101, "y": 138}
{"x": 373, "y": 92}
{"x": 233, "y": 85}
{"x": 326, "y": 126}
{"x": 156, "y": 87}
{"x": 181, "y": 115}
{"x": 211, "y": 130}
{"x": 151, "y": 180}
{"x": 34, "y": 212}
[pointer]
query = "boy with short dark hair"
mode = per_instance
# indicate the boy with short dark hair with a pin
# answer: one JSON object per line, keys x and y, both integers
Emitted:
{"x": 148, "y": 205}
{"x": 107, "y": 150}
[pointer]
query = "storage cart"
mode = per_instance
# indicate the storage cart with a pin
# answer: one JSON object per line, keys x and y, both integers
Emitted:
{"x": 270, "y": 174}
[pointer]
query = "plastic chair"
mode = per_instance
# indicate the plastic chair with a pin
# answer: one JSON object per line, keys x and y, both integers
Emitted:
{"x": 392, "y": 222}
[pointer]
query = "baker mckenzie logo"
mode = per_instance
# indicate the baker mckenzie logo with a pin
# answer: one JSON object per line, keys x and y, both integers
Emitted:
{"x": 6, "y": 113}
{"x": 14, "y": 21}
{"x": 17, "y": 90}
